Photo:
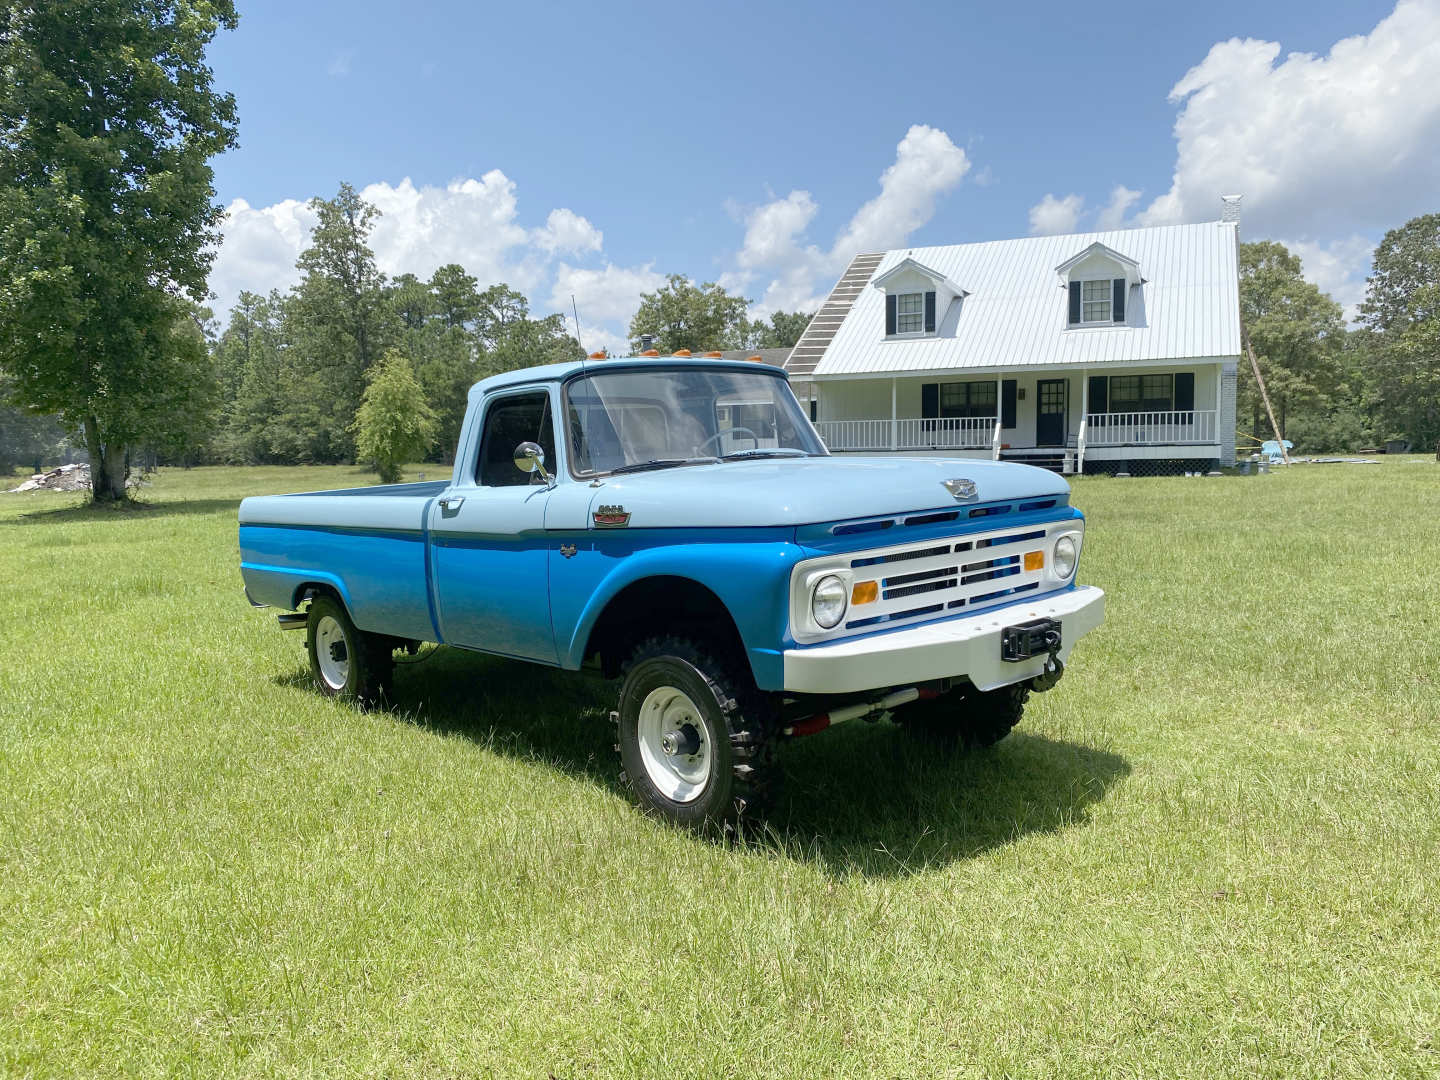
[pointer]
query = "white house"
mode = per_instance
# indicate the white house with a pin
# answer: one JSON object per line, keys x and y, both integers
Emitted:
{"x": 1095, "y": 352}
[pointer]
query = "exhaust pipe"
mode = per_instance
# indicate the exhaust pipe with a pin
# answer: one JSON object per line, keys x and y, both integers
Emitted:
{"x": 292, "y": 620}
{"x": 867, "y": 710}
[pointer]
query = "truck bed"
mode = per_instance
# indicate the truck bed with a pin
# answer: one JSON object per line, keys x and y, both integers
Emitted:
{"x": 367, "y": 543}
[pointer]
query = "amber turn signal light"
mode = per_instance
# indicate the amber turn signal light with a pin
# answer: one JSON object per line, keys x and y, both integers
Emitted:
{"x": 865, "y": 592}
{"x": 1035, "y": 560}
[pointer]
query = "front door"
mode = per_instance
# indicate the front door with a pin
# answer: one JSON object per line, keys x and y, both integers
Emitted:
{"x": 1052, "y": 402}
{"x": 490, "y": 560}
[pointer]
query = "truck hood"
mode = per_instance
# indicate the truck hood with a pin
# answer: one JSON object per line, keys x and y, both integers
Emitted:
{"x": 808, "y": 491}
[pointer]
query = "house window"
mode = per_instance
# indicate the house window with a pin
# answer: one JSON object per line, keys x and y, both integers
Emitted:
{"x": 1142, "y": 393}
{"x": 1095, "y": 300}
{"x": 967, "y": 399}
{"x": 910, "y": 313}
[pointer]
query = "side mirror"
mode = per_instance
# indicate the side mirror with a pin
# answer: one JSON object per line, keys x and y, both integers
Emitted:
{"x": 530, "y": 458}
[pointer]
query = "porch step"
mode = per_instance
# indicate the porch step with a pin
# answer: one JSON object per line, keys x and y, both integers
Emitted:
{"x": 823, "y": 325}
{"x": 1054, "y": 462}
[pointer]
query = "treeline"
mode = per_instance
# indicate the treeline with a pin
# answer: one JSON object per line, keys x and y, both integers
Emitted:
{"x": 1334, "y": 388}
{"x": 293, "y": 367}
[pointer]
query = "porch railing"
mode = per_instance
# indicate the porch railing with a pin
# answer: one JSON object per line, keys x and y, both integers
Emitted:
{"x": 1149, "y": 428}
{"x": 941, "y": 433}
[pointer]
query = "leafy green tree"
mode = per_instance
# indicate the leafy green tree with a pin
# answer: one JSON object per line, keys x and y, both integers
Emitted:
{"x": 781, "y": 332}
{"x": 1297, "y": 332}
{"x": 108, "y": 120}
{"x": 1402, "y": 312}
{"x": 681, "y": 315}
{"x": 25, "y": 438}
{"x": 251, "y": 357}
{"x": 339, "y": 321}
{"x": 394, "y": 424}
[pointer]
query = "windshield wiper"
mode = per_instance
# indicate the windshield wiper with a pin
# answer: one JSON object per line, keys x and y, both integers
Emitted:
{"x": 772, "y": 451}
{"x": 662, "y": 463}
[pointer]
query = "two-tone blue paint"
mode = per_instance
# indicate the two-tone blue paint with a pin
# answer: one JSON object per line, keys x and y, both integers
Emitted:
{"x": 482, "y": 568}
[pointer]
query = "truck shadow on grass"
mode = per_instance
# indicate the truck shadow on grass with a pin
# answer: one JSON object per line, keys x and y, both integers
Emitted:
{"x": 860, "y": 799}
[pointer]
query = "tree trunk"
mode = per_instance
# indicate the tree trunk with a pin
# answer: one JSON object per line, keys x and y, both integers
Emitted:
{"x": 109, "y": 467}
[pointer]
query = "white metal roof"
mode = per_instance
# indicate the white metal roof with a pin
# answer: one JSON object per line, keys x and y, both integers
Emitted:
{"x": 1014, "y": 315}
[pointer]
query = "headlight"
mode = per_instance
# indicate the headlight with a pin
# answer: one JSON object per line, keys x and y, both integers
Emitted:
{"x": 1065, "y": 556}
{"x": 827, "y": 602}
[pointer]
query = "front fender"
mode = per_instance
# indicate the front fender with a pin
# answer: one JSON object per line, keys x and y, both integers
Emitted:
{"x": 749, "y": 573}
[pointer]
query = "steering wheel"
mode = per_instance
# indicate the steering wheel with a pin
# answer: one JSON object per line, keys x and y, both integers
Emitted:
{"x": 727, "y": 431}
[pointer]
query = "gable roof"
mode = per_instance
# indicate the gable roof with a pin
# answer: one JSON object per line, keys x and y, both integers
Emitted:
{"x": 1014, "y": 315}
{"x": 920, "y": 268}
{"x": 1097, "y": 248}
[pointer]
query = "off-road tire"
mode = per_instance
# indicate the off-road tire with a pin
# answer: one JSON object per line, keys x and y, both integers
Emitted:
{"x": 369, "y": 662}
{"x": 740, "y": 726}
{"x": 965, "y": 718}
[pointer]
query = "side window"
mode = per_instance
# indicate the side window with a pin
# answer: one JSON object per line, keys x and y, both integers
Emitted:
{"x": 509, "y": 421}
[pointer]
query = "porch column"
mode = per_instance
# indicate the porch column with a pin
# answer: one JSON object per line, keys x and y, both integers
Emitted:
{"x": 1084, "y": 395}
{"x": 894, "y": 415}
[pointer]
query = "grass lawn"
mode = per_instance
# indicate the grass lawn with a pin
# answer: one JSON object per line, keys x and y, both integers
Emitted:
{"x": 1213, "y": 850}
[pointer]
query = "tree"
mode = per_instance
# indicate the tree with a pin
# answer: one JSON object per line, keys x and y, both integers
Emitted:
{"x": 681, "y": 315}
{"x": 25, "y": 438}
{"x": 1402, "y": 312}
{"x": 339, "y": 321}
{"x": 251, "y": 360}
{"x": 782, "y": 332}
{"x": 1296, "y": 330}
{"x": 394, "y": 424}
{"x": 108, "y": 120}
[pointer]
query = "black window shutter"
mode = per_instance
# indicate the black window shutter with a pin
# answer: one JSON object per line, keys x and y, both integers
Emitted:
{"x": 1099, "y": 394}
{"x": 1119, "y": 308}
{"x": 930, "y": 312}
{"x": 1184, "y": 391}
{"x": 889, "y": 315}
{"x": 1074, "y": 302}
{"x": 929, "y": 400}
{"x": 1007, "y": 403}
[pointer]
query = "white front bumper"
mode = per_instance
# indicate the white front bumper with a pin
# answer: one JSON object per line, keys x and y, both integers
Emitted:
{"x": 968, "y": 646}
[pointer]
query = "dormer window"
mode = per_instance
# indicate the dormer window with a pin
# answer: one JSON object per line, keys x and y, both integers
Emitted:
{"x": 1099, "y": 280}
{"x": 910, "y": 313}
{"x": 917, "y": 300}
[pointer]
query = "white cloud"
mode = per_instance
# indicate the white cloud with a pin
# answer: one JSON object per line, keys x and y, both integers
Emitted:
{"x": 770, "y": 230}
{"x": 339, "y": 65}
{"x": 1051, "y": 215}
{"x": 567, "y": 231}
{"x": 927, "y": 165}
{"x": 608, "y": 295}
{"x": 1113, "y": 215}
{"x": 259, "y": 250}
{"x": 1318, "y": 145}
{"x": 1338, "y": 268}
{"x": 471, "y": 222}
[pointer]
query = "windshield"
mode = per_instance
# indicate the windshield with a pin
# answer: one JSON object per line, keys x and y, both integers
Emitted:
{"x": 656, "y": 417}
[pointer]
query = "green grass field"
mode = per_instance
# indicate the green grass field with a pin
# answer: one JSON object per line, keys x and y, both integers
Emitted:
{"x": 1213, "y": 850}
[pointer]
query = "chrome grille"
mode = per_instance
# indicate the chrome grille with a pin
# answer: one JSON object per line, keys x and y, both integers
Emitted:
{"x": 930, "y": 578}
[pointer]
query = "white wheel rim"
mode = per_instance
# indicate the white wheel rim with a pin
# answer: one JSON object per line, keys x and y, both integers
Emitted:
{"x": 329, "y": 633}
{"x": 680, "y": 777}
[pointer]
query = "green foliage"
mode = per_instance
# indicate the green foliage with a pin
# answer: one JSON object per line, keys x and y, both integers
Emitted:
{"x": 681, "y": 315}
{"x": 108, "y": 119}
{"x": 781, "y": 332}
{"x": 1402, "y": 310}
{"x": 25, "y": 438}
{"x": 339, "y": 321}
{"x": 394, "y": 423}
{"x": 1297, "y": 333}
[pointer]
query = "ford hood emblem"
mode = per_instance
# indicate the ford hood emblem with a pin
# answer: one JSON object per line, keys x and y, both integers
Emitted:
{"x": 961, "y": 488}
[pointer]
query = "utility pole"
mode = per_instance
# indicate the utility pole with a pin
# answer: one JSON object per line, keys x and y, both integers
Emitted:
{"x": 1264, "y": 395}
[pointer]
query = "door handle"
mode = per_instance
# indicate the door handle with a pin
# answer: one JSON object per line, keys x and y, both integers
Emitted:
{"x": 451, "y": 502}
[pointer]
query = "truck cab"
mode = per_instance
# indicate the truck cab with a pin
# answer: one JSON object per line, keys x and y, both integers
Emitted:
{"x": 677, "y": 525}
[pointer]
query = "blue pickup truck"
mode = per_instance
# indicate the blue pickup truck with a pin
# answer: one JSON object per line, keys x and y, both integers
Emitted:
{"x": 677, "y": 525}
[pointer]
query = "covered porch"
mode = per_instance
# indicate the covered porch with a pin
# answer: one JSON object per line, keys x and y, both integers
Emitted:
{"x": 1055, "y": 417}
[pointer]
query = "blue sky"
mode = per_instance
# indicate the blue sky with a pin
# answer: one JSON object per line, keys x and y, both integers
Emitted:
{"x": 593, "y": 148}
